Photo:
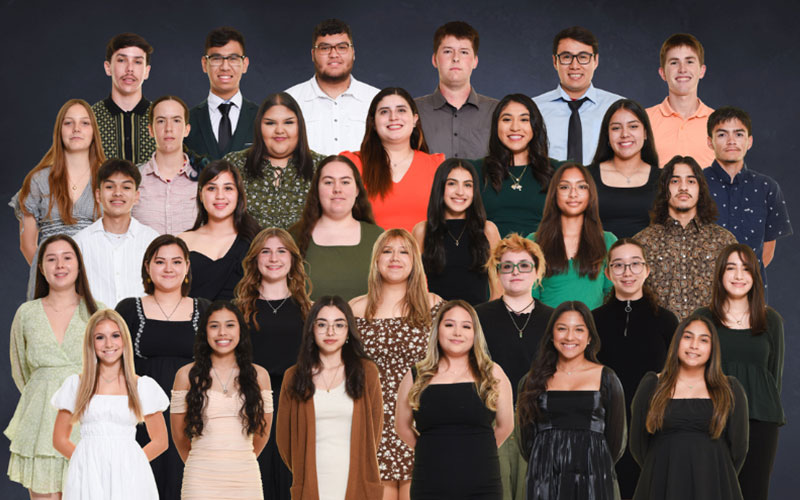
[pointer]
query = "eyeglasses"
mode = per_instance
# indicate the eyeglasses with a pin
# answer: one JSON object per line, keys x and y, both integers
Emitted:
{"x": 523, "y": 266}
{"x": 565, "y": 58}
{"x": 341, "y": 48}
{"x": 216, "y": 60}
{"x": 324, "y": 326}
{"x": 618, "y": 268}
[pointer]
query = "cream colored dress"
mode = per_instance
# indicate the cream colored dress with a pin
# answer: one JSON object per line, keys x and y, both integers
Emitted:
{"x": 333, "y": 420}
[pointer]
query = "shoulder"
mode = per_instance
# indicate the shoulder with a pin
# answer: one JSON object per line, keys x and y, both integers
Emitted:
{"x": 498, "y": 373}
{"x": 609, "y": 378}
{"x": 263, "y": 377}
{"x": 419, "y": 230}
{"x": 238, "y": 158}
{"x": 370, "y": 369}
{"x": 646, "y": 235}
{"x": 288, "y": 376}
{"x": 354, "y": 156}
{"x": 359, "y": 305}
{"x": 609, "y": 239}
{"x": 300, "y": 90}
{"x": 547, "y": 97}
{"x": 648, "y": 382}
{"x": 609, "y": 98}
{"x": 490, "y": 229}
{"x": 125, "y": 306}
{"x": 434, "y": 300}
{"x": 425, "y": 101}
{"x": 28, "y": 308}
{"x": 736, "y": 387}
{"x": 721, "y": 233}
{"x": 145, "y": 383}
{"x": 364, "y": 91}
{"x": 182, "y": 378}
{"x": 370, "y": 230}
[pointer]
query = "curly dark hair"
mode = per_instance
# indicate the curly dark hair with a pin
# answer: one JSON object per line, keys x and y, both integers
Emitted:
{"x": 252, "y": 411}
{"x": 706, "y": 206}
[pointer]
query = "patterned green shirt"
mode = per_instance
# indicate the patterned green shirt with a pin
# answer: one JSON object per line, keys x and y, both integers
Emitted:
{"x": 277, "y": 198}
{"x": 124, "y": 133}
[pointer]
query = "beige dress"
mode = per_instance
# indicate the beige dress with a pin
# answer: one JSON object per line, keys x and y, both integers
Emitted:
{"x": 221, "y": 463}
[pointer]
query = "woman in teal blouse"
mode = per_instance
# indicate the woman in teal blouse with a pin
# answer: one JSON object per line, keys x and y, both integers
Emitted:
{"x": 751, "y": 338}
{"x": 573, "y": 241}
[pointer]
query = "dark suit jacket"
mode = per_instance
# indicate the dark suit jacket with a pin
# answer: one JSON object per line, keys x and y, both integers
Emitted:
{"x": 201, "y": 138}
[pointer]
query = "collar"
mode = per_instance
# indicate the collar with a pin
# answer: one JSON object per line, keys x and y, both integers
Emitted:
{"x": 316, "y": 91}
{"x": 693, "y": 225}
{"x": 151, "y": 167}
{"x": 439, "y": 100}
{"x": 214, "y": 100}
{"x": 97, "y": 227}
{"x": 723, "y": 175}
{"x": 590, "y": 94}
{"x": 701, "y": 112}
{"x": 139, "y": 109}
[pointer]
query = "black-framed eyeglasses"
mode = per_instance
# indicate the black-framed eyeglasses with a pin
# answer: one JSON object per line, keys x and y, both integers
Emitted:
{"x": 216, "y": 60}
{"x": 565, "y": 58}
{"x": 618, "y": 268}
{"x": 341, "y": 48}
{"x": 523, "y": 266}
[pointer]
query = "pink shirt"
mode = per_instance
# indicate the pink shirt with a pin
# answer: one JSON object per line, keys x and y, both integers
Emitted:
{"x": 168, "y": 206}
{"x": 676, "y": 136}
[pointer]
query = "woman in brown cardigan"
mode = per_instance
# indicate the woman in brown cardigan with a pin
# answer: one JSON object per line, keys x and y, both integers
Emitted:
{"x": 331, "y": 410}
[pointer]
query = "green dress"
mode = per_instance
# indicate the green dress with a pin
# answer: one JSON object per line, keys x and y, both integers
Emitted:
{"x": 39, "y": 365}
{"x": 277, "y": 198}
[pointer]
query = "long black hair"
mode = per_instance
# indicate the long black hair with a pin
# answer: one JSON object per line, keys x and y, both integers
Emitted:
{"x": 433, "y": 253}
{"x": 605, "y": 152}
{"x": 245, "y": 224}
{"x": 252, "y": 411}
{"x": 353, "y": 354}
{"x": 499, "y": 159}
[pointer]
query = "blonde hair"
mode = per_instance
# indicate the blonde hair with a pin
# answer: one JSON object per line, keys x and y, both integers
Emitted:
{"x": 480, "y": 363}
{"x": 416, "y": 307}
{"x": 88, "y": 384}
{"x": 516, "y": 243}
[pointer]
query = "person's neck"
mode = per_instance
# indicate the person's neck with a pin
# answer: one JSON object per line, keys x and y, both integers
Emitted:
{"x": 77, "y": 162}
{"x": 225, "y": 361}
{"x": 627, "y": 166}
{"x": 456, "y": 364}
{"x": 448, "y": 215}
{"x": 398, "y": 151}
{"x": 737, "y": 306}
{"x": 521, "y": 158}
{"x": 623, "y": 297}
{"x": 273, "y": 290}
{"x": 125, "y": 102}
{"x": 732, "y": 167}
{"x": 692, "y": 372}
{"x": 684, "y": 218}
{"x": 279, "y": 162}
{"x": 576, "y": 94}
{"x": 455, "y": 95}
{"x": 393, "y": 293}
{"x": 225, "y": 96}
{"x": 63, "y": 298}
{"x": 170, "y": 163}
{"x": 110, "y": 371}
{"x": 327, "y": 220}
{"x": 519, "y": 302}
{"x": 684, "y": 105}
{"x": 333, "y": 89}
{"x": 571, "y": 225}
{"x": 220, "y": 226}
{"x": 331, "y": 360}
{"x": 117, "y": 224}
{"x": 571, "y": 365}
{"x": 168, "y": 297}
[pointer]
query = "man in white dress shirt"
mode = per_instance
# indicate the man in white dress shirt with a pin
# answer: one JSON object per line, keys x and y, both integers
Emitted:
{"x": 334, "y": 104}
{"x": 114, "y": 245}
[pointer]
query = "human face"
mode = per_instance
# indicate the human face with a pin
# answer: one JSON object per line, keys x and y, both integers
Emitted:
{"x": 575, "y": 78}
{"x": 730, "y": 142}
{"x": 76, "y": 129}
{"x": 628, "y": 285}
{"x": 626, "y": 134}
{"x": 694, "y": 348}
{"x": 330, "y": 330}
{"x": 60, "y": 265}
{"x": 117, "y": 195}
{"x": 516, "y": 284}
{"x": 514, "y": 131}
{"x": 220, "y": 196}
{"x": 280, "y": 131}
{"x": 108, "y": 342}
{"x": 169, "y": 126}
{"x": 274, "y": 260}
{"x": 683, "y": 190}
{"x": 222, "y": 332}
{"x": 737, "y": 278}
{"x": 573, "y": 193}
{"x": 456, "y": 332}
{"x": 458, "y": 192}
{"x": 394, "y": 261}
{"x": 225, "y": 78}
{"x": 570, "y": 335}
{"x": 337, "y": 189}
{"x": 394, "y": 120}
{"x": 168, "y": 268}
{"x": 337, "y": 64}
{"x": 128, "y": 70}
{"x": 455, "y": 59}
{"x": 682, "y": 71}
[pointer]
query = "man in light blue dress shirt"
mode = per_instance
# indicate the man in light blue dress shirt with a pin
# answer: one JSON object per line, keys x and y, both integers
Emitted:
{"x": 575, "y": 58}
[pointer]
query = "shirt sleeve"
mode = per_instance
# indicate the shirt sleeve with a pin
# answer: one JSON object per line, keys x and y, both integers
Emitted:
{"x": 777, "y": 224}
{"x": 616, "y": 425}
{"x": 640, "y": 438}
{"x": 737, "y": 429}
{"x": 151, "y": 396}
{"x": 178, "y": 402}
{"x": 266, "y": 396}
{"x": 20, "y": 371}
{"x": 777, "y": 347}
{"x": 64, "y": 397}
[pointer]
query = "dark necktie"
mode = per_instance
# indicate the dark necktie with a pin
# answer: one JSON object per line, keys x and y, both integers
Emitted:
{"x": 224, "y": 131}
{"x": 575, "y": 133}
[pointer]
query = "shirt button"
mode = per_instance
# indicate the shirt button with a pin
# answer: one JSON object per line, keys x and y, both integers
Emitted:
{"x": 335, "y": 138}
{"x": 336, "y": 119}
{"x": 455, "y": 134}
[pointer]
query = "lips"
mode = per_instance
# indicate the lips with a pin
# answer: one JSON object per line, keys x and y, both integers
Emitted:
{"x": 222, "y": 342}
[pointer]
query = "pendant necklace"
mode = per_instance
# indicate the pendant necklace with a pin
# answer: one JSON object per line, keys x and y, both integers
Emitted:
{"x": 516, "y": 184}
{"x": 274, "y": 309}
{"x": 224, "y": 384}
{"x": 335, "y": 373}
{"x": 509, "y": 310}
{"x": 168, "y": 316}
{"x": 458, "y": 240}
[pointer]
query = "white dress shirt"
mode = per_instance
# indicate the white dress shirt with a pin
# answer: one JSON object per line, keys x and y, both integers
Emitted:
{"x": 334, "y": 125}
{"x": 113, "y": 262}
{"x": 216, "y": 115}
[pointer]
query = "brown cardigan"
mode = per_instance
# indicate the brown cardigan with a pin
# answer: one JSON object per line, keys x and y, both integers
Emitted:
{"x": 296, "y": 438}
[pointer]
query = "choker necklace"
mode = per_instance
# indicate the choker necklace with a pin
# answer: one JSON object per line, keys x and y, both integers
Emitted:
{"x": 109, "y": 381}
{"x": 458, "y": 240}
{"x": 516, "y": 185}
{"x": 274, "y": 309}
{"x": 741, "y": 318}
{"x": 224, "y": 384}
{"x": 168, "y": 316}
{"x": 509, "y": 310}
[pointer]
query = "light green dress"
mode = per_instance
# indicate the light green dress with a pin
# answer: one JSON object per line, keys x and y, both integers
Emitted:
{"x": 39, "y": 365}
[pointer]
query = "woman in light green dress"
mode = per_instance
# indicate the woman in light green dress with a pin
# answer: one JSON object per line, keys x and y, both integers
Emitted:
{"x": 46, "y": 342}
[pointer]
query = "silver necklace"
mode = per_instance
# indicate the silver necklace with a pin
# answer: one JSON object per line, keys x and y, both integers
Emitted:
{"x": 516, "y": 184}
{"x": 107, "y": 381}
{"x": 458, "y": 240}
{"x": 274, "y": 309}
{"x": 509, "y": 310}
{"x": 224, "y": 384}
{"x": 168, "y": 316}
{"x": 627, "y": 178}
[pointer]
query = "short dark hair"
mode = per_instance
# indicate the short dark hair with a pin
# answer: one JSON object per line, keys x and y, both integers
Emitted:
{"x": 726, "y": 113}
{"x": 117, "y": 165}
{"x": 331, "y": 27}
{"x": 579, "y": 34}
{"x": 706, "y": 206}
{"x": 128, "y": 40}
{"x": 458, "y": 29}
{"x": 221, "y": 36}
{"x": 681, "y": 40}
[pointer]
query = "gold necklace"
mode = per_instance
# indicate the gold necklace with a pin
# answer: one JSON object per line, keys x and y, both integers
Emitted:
{"x": 335, "y": 374}
{"x": 516, "y": 185}
{"x": 458, "y": 240}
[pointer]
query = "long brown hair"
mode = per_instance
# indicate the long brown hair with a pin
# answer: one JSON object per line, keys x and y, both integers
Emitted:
{"x": 362, "y": 208}
{"x": 246, "y": 291}
{"x": 42, "y": 287}
{"x": 416, "y": 307}
{"x": 591, "y": 248}
{"x": 56, "y": 159}
{"x": 755, "y": 296}
{"x": 719, "y": 388}
{"x": 376, "y": 169}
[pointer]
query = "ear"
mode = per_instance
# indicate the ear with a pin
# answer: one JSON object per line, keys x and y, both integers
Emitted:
{"x": 702, "y": 72}
{"x": 475, "y": 63}
{"x": 107, "y": 67}
{"x": 188, "y": 129}
{"x": 146, "y": 74}
{"x": 555, "y": 62}
{"x": 97, "y": 196}
{"x": 136, "y": 198}
{"x": 661, "y": 73}
{"x": 749, "y": 142}
{"x": 203, "y": 63}
{"x": 433, "y": 61}
{"x": 710, "y": 142}
{"x": 245, "y": 64}
{"x": 150, "y": 130}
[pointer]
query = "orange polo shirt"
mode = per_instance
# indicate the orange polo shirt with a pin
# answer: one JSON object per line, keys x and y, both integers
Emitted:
{"x": 676, "y": 136}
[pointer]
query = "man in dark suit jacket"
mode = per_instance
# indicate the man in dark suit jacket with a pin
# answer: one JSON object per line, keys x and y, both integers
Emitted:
{"x": 224, "y": 121}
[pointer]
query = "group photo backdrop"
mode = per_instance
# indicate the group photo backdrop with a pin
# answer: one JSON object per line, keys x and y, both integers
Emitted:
{"x": 55, "y": 52}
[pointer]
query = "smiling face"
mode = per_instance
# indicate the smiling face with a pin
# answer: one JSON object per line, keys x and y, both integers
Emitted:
{"x": 60, "y": 265}
{"x": 224, "y": 79}
{"x": 169, "y": 126}
{"x": 117, "y": 195}
{"x": 575, "y": 77}
{"x": 108, "y": 342}
{"x": 280, "y": 131}
{"x": 623, "y": 261}
{"x": 219, "y": 196}
{"x": 168, "y": 268}
{"x": 737, "y": 280}
{"x": 730, "y": 141}
{"x": 694, "y": 348}
{"x": 330, "y": 330}
{"x": 223, "y": 331}
{"x": 514, "y": 130}
{"x": 76, "y": 129}
{"x": 394, "y": 261}
{"x": 682, "y": 71}
{"x": 626, "y": 134}
{"x": 570, "y": 335}
{"x": 573, "y": 193}
{"x": 458, "y": 192}
{"x": 684, "y": 191}
{"x": 338, "y": 63}
{"x": 517, "y": 283}
{"x": 128, "y": 70}
{"x": 394, "y": 120}
{"x": 455, "y": 59}
{"x": 274, "y": 260}
{"x": 337, "y": 189}
{"x": 456, "y": 332}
